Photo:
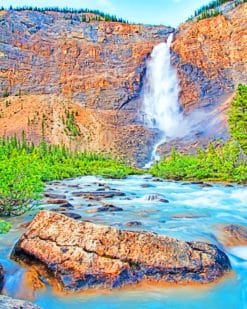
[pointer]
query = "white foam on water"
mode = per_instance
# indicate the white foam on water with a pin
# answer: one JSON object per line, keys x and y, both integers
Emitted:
{"x": 241, "y": 195}
{"x": 240, "y": 252}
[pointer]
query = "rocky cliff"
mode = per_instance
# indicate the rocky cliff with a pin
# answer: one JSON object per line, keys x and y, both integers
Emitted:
{"x": 211, "y": 59}
{"x": 82, "y": 82}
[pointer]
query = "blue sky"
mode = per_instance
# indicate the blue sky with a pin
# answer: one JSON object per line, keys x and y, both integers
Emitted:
{"x": 167, "y": 12}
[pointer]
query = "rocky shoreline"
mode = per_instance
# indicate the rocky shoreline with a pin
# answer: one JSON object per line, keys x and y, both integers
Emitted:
{"x": 112, "y": 251}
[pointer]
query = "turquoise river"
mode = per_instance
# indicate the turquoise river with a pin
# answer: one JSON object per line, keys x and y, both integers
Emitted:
{"x": 193, "y": 213}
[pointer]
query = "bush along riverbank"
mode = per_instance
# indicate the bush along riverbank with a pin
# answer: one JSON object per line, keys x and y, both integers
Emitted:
{"x": 226, "y": 162}
{"x": 24, "y": 168}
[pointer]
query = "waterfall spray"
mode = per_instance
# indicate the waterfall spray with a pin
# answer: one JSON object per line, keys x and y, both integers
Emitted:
{"x": 161, "y": 103}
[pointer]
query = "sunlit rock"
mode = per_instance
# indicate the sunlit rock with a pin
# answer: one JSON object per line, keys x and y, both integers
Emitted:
{"x": 233, "y": 235}
{"x": 83, "y": 255}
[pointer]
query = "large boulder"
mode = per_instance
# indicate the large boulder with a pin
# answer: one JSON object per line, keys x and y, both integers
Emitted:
{"x": 84, "y": 255}
{"x": 11, "y": 303}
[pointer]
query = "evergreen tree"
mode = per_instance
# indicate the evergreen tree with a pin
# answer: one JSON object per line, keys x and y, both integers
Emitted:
{"x": 238, "y": 117}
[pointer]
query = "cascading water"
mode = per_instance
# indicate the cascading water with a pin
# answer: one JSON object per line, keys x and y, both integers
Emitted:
{"x": 161, "y": 103}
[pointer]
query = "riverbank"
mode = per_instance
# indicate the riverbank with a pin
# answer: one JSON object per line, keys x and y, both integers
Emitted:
{"x": 225, "y": 163}
{"x": 182, "y": 210}
{"x": 24, "y": 169}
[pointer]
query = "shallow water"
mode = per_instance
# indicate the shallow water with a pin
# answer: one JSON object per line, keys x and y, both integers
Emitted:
{"x": 193, "y": 213}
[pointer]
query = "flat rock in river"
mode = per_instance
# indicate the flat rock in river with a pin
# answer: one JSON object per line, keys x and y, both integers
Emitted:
{"x": 189, "y": 215}
{"x": 56, "y": 201}
{"x": 133, "y": 223}
{"x": 55, "y": 196}
{"x": 233, "y": 235}
{"x": 96, "y": 195}
{"x": 72, "y": 215}
{"x": 109, "y": 208}
{"x": 83, "y": 255}
{"x": 155, "y": 197}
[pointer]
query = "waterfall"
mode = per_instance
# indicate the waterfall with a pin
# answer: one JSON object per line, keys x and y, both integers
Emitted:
{"x": 161, "y": 93}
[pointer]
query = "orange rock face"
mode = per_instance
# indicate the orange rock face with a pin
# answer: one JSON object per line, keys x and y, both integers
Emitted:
{"x": 92, "y": 256}
{"x": 52, "y": 63}
{"x": 212, "y": 57}
{"x": 109, "y": 131}
{"x": 98, "y": 65}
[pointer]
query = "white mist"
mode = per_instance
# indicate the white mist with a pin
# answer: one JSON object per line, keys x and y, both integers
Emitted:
{"x": 161, "y": 95}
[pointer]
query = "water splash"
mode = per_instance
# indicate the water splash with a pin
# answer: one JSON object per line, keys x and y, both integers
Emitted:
{"x": 161, "y": 96}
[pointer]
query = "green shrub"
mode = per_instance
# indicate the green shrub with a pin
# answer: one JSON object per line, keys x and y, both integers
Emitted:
{"x": 71, "y": 128}
{"x": 4, "y": 226}
{"x": 5, "y": 93}
{"x": 24, "y": 168}
{"x": 214, "y": 163}
{"x": 208, "y": 14}
{"x": 20, "y": 184}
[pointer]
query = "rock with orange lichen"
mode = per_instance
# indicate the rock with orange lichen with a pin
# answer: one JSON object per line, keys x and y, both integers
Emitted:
{"x": 233, "y": 235}
{"x": 83, "y": 255}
